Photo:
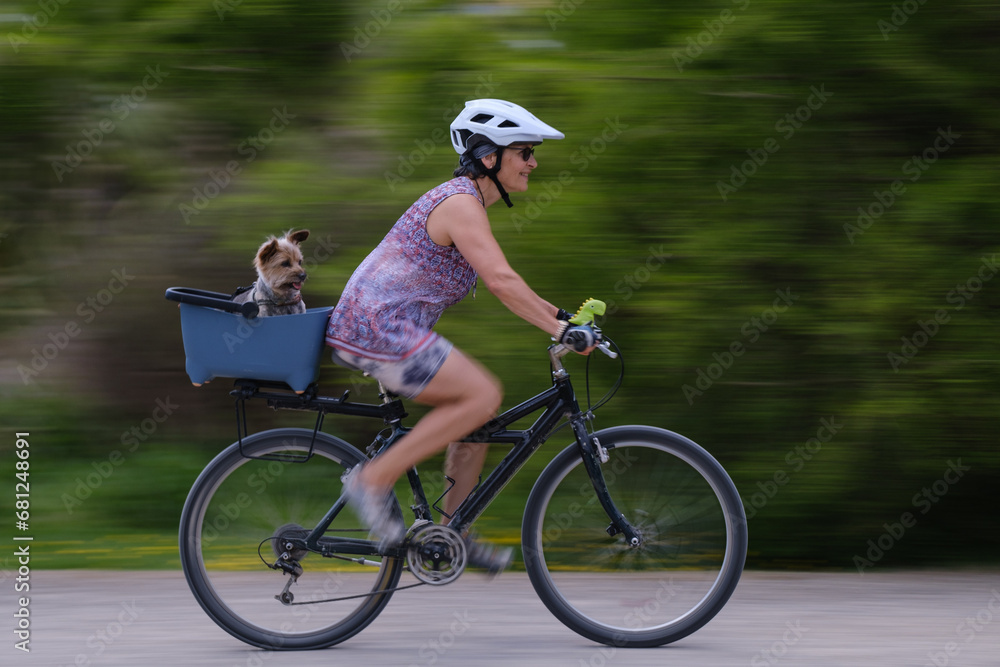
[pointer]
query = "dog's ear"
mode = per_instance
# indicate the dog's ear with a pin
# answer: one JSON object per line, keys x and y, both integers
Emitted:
{"x": 297, "y": 237}
{"x": 266, "y": 252}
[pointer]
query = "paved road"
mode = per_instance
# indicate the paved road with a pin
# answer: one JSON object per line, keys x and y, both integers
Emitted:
{"x": 892, "y": 619}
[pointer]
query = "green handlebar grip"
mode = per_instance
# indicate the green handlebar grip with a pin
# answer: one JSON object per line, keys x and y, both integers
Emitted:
{"x": 588, "y": 310}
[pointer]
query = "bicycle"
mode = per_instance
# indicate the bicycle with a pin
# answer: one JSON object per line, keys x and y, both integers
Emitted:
{"x": 633, "y": 536}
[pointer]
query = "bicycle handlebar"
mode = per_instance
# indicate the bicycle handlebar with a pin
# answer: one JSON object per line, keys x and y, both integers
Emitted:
{"x": 585, "y": 317}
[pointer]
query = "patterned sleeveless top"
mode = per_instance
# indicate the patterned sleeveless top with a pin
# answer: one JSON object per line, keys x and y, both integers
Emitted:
{"x": 399, "y": 291}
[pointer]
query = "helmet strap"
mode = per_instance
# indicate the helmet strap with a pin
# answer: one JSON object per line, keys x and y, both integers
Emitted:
{"x": 492, "y": 173}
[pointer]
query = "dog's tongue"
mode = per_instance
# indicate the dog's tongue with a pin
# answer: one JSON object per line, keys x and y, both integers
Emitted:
{"x": 297, "y": 285}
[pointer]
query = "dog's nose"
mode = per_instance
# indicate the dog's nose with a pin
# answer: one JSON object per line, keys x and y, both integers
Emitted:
{"x": 303, "y": 275}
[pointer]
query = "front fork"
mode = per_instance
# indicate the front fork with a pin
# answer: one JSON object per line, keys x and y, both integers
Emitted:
{"x": 594, "y": 454}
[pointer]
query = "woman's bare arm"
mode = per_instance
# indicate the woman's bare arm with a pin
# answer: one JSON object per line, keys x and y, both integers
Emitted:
{"x": 460, "y": 220}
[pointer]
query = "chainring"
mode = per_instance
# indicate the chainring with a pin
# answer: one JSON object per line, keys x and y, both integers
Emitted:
{"x": 436, "y": 554}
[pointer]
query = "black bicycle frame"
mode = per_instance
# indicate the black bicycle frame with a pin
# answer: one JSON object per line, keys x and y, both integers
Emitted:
{"x": 558, "y": 401}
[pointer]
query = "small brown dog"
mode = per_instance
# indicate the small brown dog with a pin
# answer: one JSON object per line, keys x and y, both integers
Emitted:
{"x": 278, "y": 290}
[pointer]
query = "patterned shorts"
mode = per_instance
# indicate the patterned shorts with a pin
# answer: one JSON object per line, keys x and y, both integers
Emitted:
{"x": 406, "y": 377}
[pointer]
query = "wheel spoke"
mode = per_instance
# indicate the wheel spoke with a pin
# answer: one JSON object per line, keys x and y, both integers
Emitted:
{"x": 691, "y": 553}
{"x": 240, "y": 505}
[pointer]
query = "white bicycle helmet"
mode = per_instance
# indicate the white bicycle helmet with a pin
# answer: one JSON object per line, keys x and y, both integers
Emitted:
{"x": 488, "y": 125}
{"x": 502, "y": 122}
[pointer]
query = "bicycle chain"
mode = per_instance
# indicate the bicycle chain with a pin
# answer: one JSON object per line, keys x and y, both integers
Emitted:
{"x": 351, "y": 597}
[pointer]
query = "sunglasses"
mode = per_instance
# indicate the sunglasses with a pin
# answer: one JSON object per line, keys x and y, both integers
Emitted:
{"x": 526, "y": 152}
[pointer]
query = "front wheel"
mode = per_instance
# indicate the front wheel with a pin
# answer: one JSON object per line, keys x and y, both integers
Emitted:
{"x": 693, "y": 539}
{"x": 238, "y": 518}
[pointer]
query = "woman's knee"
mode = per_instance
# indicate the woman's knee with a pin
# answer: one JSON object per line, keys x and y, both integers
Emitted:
{"x": 492, "y": 394}
{"x": 483, "y": 393}
{"x": 464, "y": 380}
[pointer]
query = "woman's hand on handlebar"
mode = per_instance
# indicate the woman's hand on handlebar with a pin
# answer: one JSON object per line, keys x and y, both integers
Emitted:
{"x": 579, "y": 332}
{"x": 581, "y": 339}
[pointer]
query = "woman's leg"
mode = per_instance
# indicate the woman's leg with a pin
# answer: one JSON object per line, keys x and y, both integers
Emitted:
{"x": 465, "y": 396}
{"x": 463, "y": 464}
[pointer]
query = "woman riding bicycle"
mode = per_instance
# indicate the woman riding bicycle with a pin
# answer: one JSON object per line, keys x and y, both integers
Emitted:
{"x": 429, "y": 260}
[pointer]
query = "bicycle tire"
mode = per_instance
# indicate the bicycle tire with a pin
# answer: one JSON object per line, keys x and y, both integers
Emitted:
{"x": 694, "y": 539}
{"x": 234, "y": 509}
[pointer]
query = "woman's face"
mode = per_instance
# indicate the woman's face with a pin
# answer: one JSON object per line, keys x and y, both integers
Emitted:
{"x": 515, "y": 170}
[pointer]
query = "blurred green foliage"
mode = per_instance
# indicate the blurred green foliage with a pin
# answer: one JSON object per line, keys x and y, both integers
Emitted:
{"x": 688, "y": 194}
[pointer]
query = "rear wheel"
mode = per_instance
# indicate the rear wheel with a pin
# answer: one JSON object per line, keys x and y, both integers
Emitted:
{"x": 239, "y": 516}
{"x": 693, "y": 539}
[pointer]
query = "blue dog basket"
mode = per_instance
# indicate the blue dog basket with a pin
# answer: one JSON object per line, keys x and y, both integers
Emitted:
{"x": 284, "y": 348}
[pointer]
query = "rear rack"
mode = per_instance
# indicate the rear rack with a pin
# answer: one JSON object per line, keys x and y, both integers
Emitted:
{"x": 279, "y": 396}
